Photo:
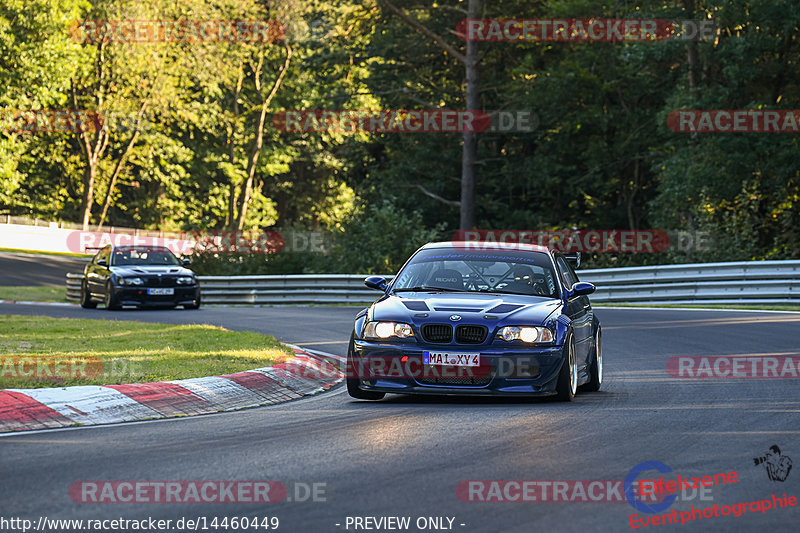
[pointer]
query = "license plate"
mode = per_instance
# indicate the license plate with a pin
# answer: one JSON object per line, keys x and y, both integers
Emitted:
{"x": 451, "y": 359}
{"x": 161, "y": 292}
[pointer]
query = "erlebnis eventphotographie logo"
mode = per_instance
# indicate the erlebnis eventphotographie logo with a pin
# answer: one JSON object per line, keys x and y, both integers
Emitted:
{"x": 778, "y": 466}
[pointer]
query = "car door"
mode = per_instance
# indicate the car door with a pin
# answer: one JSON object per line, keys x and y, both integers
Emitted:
{"x": 579, "y": 310}
{"x": 97, "y": 273}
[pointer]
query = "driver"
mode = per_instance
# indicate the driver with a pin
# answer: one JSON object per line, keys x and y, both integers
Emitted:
{"x": 524, "y": 281}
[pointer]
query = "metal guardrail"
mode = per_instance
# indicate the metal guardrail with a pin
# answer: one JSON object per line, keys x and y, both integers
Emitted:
{"x": 755, "y": 282}
{"x": 74, "y": 287}
{"x": 740, "y": 282}
{"x": 271, "y": 290}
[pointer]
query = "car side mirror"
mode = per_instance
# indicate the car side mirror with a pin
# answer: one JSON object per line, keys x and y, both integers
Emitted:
{"x": 186, "y": 262}
{"x": 582, "y": 288}
{"x": 102, "y": 262}
{"x": 376, "y": 282}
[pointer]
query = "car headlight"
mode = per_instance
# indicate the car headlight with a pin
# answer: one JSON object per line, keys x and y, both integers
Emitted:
{"x": 131, "y": 281}
{"x": 384, "y": 330}
{"x": 528, "y": 334}
{"x": 185, "y": 280}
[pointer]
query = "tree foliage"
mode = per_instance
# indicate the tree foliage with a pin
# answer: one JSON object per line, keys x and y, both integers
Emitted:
{"x": 189, "y": 143}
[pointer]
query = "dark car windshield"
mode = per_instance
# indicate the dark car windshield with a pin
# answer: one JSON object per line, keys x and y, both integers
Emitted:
{"x": 497, "y": 271}
{"x": 129, "y": 256}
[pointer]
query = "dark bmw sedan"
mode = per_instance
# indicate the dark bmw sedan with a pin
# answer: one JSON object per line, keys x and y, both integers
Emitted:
{"x": 138, "y": 276}
{"x": 478, "y": 319}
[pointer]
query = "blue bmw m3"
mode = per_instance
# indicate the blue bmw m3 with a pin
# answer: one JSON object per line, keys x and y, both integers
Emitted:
{"x": 478, "y": 318}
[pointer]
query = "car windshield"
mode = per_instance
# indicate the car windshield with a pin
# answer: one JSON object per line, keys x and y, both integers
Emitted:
{"x": 500, "y": 271}
{"x": 143, "y": 256}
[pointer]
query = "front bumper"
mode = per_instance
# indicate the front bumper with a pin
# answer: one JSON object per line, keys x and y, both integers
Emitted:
{"x": 398, "y": 368}
{"x": 134, "y": 295}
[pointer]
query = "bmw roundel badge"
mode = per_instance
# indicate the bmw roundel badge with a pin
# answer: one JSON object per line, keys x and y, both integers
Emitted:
{"x": 455, "y": 318}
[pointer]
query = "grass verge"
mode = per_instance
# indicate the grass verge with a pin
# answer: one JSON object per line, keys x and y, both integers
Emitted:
{"x": 61, "y": 352}
{"x": 34, "y": 294}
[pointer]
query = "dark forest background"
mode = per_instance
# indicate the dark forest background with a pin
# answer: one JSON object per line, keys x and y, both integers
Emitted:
{"x": 206, "y": 155}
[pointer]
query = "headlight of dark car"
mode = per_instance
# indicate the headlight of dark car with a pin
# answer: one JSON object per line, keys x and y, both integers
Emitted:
{"x": 385, "y": 330}
{"x": 130, "y": 281}
{"x": 185, "y": 280}
{"x": 526, "y": 334}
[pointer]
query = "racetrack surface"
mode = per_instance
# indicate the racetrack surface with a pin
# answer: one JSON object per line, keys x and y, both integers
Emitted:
{"x": 20, "y": 269}
{"x": 405, "y": 456}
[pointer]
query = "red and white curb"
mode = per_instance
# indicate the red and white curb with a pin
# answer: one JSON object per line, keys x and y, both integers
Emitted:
{"x": 305, "y": 374}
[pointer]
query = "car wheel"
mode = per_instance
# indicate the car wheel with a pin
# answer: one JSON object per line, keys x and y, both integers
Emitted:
{"x": 112, "y": 302}
{"x": 596, "y": 369}
{"x": 195, "y": 305}
{"x": 86, "y": 297}
{"x": 353, "y": 388}
{"x": 568, "y": 376}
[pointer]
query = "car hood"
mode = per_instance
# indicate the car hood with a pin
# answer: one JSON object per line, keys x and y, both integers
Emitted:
{"x": 150, "y": 270}
{"x": 472, "y": 308}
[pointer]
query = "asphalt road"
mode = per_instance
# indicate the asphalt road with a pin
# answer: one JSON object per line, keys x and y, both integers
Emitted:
{"x": 20, "y": 269}
{"x": 406, "y": 456}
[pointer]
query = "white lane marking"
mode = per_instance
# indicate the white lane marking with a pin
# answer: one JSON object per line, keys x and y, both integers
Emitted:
{"x": 318, "y": 352}
{"x": 91, "y": 404}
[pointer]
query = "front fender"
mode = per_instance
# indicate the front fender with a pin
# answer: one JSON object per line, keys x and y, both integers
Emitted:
{"x": 358, "y": 325}
{"x": 563, "y": 325}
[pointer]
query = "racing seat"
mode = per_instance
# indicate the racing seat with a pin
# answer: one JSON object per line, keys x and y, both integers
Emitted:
{"x": 446, "y": 278}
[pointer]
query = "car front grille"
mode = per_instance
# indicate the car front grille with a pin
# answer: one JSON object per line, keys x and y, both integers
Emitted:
{"x": 437, "y": 333}
{"x": 161, "y": 281}
{"x": 471, "y": 334}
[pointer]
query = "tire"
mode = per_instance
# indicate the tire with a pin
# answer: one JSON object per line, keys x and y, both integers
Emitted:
{"x": 86, "y": 297}
{"x": 596, "y": 369}
{"x": 195, "y": 305}
{"x": 567, "y": 384}
{"x": 112, "y": 303}
{"x": 353, "y": 388}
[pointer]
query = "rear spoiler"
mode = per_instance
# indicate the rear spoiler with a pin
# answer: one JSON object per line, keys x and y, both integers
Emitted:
{"x": 574, "y": 259}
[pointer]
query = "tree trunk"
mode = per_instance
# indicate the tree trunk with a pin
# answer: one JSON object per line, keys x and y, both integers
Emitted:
{"x": 258, "y": 142}
{"x": 233, "y": 196}
{"x": 470, "y": 149}
{"x": 89, "y": 173}
{"x": 691, "y": 47}
{"x": 118, "y": 167}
